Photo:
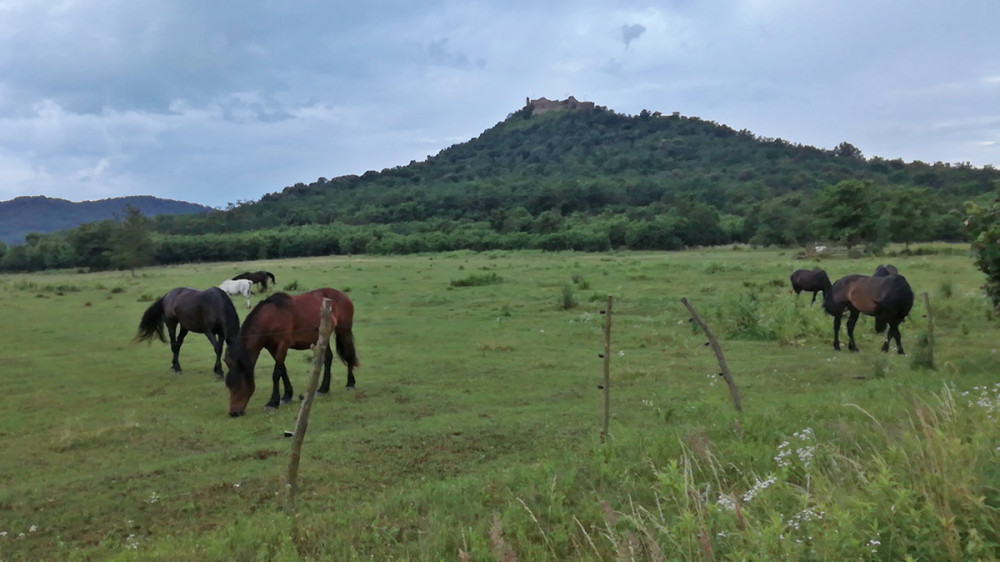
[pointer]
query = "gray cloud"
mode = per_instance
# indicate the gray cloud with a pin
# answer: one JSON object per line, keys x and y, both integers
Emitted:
{"x": 632, "y": 32}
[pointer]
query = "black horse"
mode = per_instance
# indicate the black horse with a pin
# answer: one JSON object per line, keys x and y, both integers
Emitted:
{"x": 885, "y": 295}
{"x": 812, "y": 281}
{"x": 257, "y": 277}
{"x": 209, "y": 312}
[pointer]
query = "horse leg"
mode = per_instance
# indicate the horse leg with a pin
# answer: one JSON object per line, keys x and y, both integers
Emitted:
{"x": 836, "y": 332}
{"x": 324, "y": 387}
{"x": 216, "y": 341}
{"x": 851, "y": 321}
{"x": 175, "y": 344}
{"x": 280, "y": 375}
{"x": 814, "y": 298}
{"x": 249, "y": 292}
{"x": 894, "y": 332}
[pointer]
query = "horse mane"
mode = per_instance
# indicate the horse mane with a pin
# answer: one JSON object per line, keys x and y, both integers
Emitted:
{"x": 230, "y": 320}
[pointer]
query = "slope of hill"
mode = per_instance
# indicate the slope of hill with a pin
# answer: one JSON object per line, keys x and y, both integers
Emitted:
{"x": 590, "y": 162}
{"x": 24, "y": 215}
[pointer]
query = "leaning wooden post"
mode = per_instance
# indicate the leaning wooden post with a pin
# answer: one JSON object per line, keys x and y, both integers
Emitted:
{"x": 930, "y": 328}
{"x": 326, "y": 325}
{"x": 607, "y": 368}
{"x": 733, "y": 391}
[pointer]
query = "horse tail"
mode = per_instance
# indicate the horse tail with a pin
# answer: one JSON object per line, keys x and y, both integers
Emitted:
{"x": 152, "y": 322}
{"x": 345, "y": 348}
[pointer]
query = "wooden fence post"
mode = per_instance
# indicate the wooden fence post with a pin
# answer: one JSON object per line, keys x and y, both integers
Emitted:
{"x": 607, "y": 368}
{"x": 930, "y": 328}
{"x": 733, "y": 391}
{"x": 302, "y": 422}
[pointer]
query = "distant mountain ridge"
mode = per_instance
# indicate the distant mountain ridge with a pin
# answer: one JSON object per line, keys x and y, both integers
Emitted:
{"x": 23, "y": 215}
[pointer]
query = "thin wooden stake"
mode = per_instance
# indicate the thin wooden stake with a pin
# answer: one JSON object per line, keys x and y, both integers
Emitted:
{"x": 733, "y": 391}
{"x": 930, "y": 328}
{"x": 326, "y": 325}
{"x": 607, "y": 368}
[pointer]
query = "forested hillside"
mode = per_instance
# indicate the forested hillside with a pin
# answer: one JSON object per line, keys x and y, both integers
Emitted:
{"x": 594, "y": 180}
{"x": 23, "y": 215}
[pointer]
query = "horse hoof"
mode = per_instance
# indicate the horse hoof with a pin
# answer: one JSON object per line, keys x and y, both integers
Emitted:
{"x": 349, "y": 388}
{"x": 286, "y": 400}
{"x": 270, "y": 408}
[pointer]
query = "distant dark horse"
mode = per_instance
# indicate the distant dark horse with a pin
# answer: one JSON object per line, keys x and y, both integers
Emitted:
{"x": 812, "y": 281}
{"x": 257, "y": 277}
{"x": 207, "y": 312}
{"x": 885, "y": 295}
{"x": 277, "y": 324}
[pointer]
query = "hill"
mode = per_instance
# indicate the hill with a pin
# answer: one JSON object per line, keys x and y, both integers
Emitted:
{"x": 566, "y": 175}
{"x": 24, "y": 215}
{"x": 539, "y": 171}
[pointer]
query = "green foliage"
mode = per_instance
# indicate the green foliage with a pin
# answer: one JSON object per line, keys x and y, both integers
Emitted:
{"x": 475, "y": 280}
{"x": 983, "y": 224}
{"x": 853, "y": 213}
{"x": 568, "y": 298}
{"x": 131, "y": 245}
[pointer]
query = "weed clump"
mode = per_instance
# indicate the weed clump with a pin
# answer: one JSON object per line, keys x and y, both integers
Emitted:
{"x": 474, "y": 280}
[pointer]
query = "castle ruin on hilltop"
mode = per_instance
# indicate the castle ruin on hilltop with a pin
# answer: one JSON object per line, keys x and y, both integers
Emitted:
{"x": 542, "y": 105}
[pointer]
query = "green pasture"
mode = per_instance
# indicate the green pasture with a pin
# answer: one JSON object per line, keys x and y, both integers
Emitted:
{"x": 474, "y": 431}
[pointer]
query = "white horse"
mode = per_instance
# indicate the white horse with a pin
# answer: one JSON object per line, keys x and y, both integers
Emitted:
{"x": 238, "y": 287}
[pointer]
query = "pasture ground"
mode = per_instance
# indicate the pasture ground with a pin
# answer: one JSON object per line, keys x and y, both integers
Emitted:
{"x": 474, "y": 430}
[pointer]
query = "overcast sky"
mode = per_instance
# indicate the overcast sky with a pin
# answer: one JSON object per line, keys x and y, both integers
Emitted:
{"x": 222, "y": 101}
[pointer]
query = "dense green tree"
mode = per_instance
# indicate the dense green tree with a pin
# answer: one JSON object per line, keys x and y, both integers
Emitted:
{"x": 983, "y": 224}
{"x": 908, "y": 213}
{"x": 853, "y": 211}
{"x": 92, "y": 244}
{"x": 131, "y": 246}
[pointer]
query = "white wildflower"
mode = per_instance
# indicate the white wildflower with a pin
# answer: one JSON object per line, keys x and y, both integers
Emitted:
{"x": 726, "y": 503}
{"x": 759, "y": 487}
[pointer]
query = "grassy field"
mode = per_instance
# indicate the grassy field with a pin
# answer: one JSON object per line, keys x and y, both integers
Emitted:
{"x": 474, "y": 431}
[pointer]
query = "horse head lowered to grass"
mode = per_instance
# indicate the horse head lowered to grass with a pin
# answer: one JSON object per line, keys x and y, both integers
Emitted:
{"x": 886, "y": 295}
{"x": 257, "y": 278}
{"x": 812, "y": 281}
{"x": 207, "y": 312}
{"x": 277, "y": 324}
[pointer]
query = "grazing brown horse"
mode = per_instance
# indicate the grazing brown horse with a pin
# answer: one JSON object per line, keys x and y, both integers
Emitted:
{"x": 257, "y": 277}
{"x": 885, "y": 295}
{"x": 207, "y": 312}
{"x": 277, "y": 324}
{"x": 812, "y": 281}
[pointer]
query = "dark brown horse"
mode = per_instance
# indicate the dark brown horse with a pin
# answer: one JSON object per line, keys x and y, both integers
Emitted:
{"x": 812, "y": 281}
{"x": 257, "y": 277}
{"x": 885, "y": 295}
{"x": 277, "y": 324}
{"x": 207, "y": 312}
